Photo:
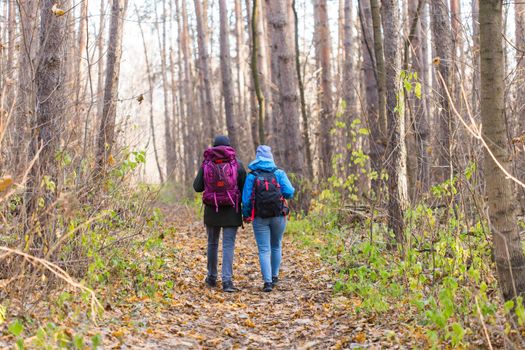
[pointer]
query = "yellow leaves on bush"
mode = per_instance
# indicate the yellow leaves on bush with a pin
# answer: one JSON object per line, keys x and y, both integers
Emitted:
{"x": 57, "y": 11}
{"x": 5, "y": 183}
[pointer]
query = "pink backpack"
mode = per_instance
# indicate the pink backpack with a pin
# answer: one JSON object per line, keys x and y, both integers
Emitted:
{"x": 220, "y": 177}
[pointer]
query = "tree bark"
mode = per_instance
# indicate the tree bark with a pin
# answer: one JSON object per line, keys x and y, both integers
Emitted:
{"x": 168, "y": 140}
{"x": 51, "y": 105}
{"x": 226, "y": 73}
{"x": 205, "y": 70}
{"x": 520, "y": 94}
{"x": 286, "y": 78}
{"x": 499, "y": 190}
{"x": 326, "y": 118}
{"x": 256, "y": 71}
{"x": 81, "y": 54}
{"x": 150, "y": 98}
{"x": 191, "y": 123}
{"x": 243, "y": 110}
{"x": 304, "y": 115}
{"x": 25, "y": 96}
{"x": 106, "y": 136}
{"x": 475, "y": 58}
{"x": 101, "y": 58}
{"x": 442, "y": 41}
{"x": 420, "y": 117}
{"x": 397, "y": 166}
{"x": 275, "y": 135}
{"x": 377, "y": 147}
{"x": 348, "y": 84}
{"x": 252, "y": 96}
{"x": 11, "y": 31}
{"x": 380, "y": 67}
{"x": 175, "y": 111}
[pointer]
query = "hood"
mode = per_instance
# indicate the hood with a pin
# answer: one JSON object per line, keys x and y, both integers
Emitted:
{"x": 219, "y": 152}
{"x": 261, "y": 163}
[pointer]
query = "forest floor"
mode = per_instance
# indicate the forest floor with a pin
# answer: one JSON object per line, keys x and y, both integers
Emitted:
{"x": 165, "y": 303}
{"x": 301, "y": 313}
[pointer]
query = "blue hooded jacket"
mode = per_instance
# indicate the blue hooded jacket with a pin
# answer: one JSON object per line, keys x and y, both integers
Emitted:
{"x": 264, "y": 161}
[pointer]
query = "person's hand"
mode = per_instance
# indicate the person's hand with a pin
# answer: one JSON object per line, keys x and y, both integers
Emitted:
{"x": 247, "y": 219}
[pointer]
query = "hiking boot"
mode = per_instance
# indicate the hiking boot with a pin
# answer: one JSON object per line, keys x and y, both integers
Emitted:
{"x": 228, "y": 287}
{"x": 211, "y": 282}
{"x": 275, "y": 280}
{"x": 268, "y": 287}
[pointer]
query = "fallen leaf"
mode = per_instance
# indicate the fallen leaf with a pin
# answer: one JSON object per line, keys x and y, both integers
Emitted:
{"x": 360, "y": 337}
{"x": 5, "y": 183}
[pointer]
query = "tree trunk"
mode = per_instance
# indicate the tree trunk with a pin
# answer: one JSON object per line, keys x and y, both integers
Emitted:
{"x": 25, "y": 96}
{"x": 380, "y": 67}
{"x": 190, "y": 122}
{"x": 252, "y": 96}
{"x": 226, "y": 73}
{"x": 243, "y": 110}
{"x": 500, "y": 190}
{"x": 205, "y": 70}
{"x": 420, "y": 117}
{"x": 51, "y": 104}
{"x": 80, "y": 59}
{"x": 396, "y": 165}
{"x": 276, "y": 119}
{"x": 286, "y": 78}
{"x": 442, "y": 41}
{"x": 348, "y": 84}
{"x": 520, "y": 94}
{"x": 101, "y": 58}
{"x": 257, "y": 72}
{"x": 475, "y": 57}
{"x": 106, "y": 136}
{"x": 176, "y": 128}
{"x": 304, "y": 115}
{"x": 150, "y": 98}
{"x": 11, "y": 31}
{"x": 326, "y": 118}
{"x": 457, "y": 65}
{"x": 168, "y": 140}
{"x": 377, "y": 148}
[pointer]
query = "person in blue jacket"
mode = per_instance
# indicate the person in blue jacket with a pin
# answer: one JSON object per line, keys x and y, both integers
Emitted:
{"x": 268, "y": 228}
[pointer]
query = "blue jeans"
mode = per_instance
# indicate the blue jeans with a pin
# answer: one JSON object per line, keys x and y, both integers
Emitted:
{"x": 269, "y": 236}
{"x": 228, "y": 245}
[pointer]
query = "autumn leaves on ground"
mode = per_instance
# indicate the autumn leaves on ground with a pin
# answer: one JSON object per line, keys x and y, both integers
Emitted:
{"x": 301, "y": 312}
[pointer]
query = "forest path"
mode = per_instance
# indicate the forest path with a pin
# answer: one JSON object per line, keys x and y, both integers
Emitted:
{"x": 300, "y": 313}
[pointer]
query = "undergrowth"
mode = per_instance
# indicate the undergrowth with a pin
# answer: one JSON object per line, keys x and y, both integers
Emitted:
{"x": 114, "y": 247}
{"x": 440, "y": 283}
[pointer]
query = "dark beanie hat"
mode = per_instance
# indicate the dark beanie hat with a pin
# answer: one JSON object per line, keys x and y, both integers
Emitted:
{"x": 221, "y": 140}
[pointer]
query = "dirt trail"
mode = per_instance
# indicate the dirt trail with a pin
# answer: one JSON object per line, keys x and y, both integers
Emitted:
{"x": 301, "y": 313}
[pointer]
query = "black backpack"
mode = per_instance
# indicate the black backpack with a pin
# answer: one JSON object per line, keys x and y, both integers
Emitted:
{"x": 267, "y": 199}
